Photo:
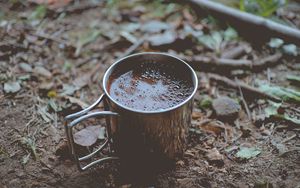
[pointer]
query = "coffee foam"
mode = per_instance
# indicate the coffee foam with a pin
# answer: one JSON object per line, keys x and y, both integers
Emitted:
{"x": 150, "y": 87}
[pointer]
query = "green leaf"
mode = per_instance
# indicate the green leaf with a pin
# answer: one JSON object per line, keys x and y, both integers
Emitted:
{"x": 25, "y": 159}
{"x": 247, "y": 153}
{"x": 230, "y": 34}
{"x": 24, "y": 77}
{"x": 214, "y": 41}
{"x": 207, "y": 41}
{"x": 263, "y": 8}
{"x": 285, "y": 94}
{"x": 293, "y": 78}
{"x": 275, "y": 42}
{"x": 54, "y": 106}
{"x": 30, "y": 145}
{"x": 39, "y": 13}
{"x": 273, "y": 111}
{"x": 290, "y": 49}
{"x": 206, "y": 102}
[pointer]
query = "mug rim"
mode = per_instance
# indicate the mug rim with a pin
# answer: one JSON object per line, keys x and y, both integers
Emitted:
{"x": 109, "y": 70}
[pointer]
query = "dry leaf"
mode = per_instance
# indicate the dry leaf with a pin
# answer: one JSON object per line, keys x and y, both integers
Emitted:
{"x": 85, "y": 137}
{"x": 89, "y": 135}
{"x": 214, "y": 156}
{"x": 82, "y": 81}
{"x": 42, "y": 71}
{"x": 79, "y": 102}
{"x": 197, "y": 115}
{"x": 212, "y": 126}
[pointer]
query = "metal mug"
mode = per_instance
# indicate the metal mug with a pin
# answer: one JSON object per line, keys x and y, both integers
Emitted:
{"x": 135, "y": 136}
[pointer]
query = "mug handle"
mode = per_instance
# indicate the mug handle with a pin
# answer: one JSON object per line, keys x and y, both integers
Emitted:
{"x": 76, "y": 118}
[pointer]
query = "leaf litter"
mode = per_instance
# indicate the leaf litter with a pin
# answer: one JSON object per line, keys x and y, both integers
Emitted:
{"x": 62, "y": 89}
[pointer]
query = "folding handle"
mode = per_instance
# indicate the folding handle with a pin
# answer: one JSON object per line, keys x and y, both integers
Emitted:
{"x": 81, "y": 116}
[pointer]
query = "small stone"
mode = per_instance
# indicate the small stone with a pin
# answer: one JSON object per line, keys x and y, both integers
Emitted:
{"x": 226, "y": 108}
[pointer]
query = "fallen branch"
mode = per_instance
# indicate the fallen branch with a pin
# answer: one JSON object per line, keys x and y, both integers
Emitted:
{"x": 234, "y": 52}
{"x": 254, "y": 25}
{"x": 244, "y": 87}
{"x": 203, "y": 62}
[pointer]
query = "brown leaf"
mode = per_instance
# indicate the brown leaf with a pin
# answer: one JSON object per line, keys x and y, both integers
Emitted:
{"x": 98, "y": 130}
{"x": 212, "y": 126}
{"x": 85, "y": 137}
{"x": 197, "y": 115}
{"x": 79, "y": 102}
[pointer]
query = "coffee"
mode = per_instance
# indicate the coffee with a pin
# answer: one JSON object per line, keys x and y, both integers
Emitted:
{"x": 150, "y": 86}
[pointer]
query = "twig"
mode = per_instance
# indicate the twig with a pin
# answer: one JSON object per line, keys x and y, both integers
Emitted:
{"x": 244, "y": 87}
{"x": 55, "y": 39}
{"x": 204, "y": 62}
{"x": 289, "y": 138}
{"x": 129, "y": 51}
{"x": 95, "y": 56}
{"x": 132, "y": 48}
{"x": 291, "y": 150}
{"x": 201, "y": 63}
{"x": 267, "y": 62}
{"x": 234, "y": 52}
{"x": 258, "y": 26}
{"x": 244, "y": 101}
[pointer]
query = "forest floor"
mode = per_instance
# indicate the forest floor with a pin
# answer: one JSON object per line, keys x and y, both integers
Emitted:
{"x": 52, "y": 59}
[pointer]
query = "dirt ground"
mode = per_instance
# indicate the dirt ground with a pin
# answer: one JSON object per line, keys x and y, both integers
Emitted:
{"x": 57, "y": 57}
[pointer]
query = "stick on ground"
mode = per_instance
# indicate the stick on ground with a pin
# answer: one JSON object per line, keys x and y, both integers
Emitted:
{"x": 244, "y": 87}
{"x": 203, "y": 62}
{"x": 256, "y": 25}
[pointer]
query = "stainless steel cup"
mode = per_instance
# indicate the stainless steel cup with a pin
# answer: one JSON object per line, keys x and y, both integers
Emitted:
{"x": 135, "y": 136}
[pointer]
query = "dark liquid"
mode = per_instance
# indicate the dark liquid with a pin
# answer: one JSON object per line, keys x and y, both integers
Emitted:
{"x": 150, "y": 87}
